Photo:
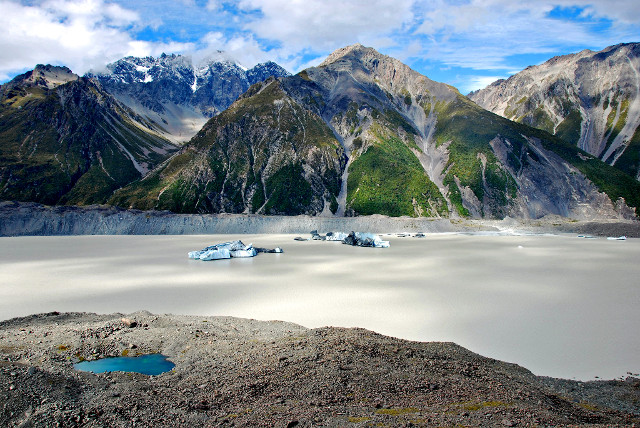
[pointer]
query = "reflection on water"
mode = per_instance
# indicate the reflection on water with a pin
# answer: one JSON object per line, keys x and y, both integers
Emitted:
{"x": 560, "y": 306}
{"x": 151, "y": 364}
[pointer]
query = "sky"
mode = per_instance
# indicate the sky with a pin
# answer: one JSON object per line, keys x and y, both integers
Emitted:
{"x": 465, "y": 43}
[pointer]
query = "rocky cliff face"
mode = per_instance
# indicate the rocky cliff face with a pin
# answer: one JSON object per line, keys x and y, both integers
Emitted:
{"x": 177, "y": 94}
{"x": 590, "y": 99}
{"x": 364, "y": 134}
{"x": 64, "y": 140}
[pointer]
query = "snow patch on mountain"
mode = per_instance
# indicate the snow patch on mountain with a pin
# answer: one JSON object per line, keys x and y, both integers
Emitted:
{"x": 178, "y": 94}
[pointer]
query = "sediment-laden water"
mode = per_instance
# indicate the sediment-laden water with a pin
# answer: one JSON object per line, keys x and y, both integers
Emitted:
{"x": 559, "y": 305}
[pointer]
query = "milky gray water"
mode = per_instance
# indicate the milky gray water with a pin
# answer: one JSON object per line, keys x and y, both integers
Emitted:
{"x": 558, "y": 305}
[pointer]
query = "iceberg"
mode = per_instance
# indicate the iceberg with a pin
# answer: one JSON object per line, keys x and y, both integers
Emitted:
{"x": 215, "y": 254}
{"x": 335, "y": 236}
{"x": 247, "y": 252}
{"x": 227, "y": 250}
{"x": 267, "y": 250}
{"x": 358, "y": 239}
{"x": 362, "y": 239}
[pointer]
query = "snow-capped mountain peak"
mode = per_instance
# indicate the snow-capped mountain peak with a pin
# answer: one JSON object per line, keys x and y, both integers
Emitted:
{"x": 181, "y": 91}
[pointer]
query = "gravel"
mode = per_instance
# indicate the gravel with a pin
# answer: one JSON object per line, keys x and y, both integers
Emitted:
{"x": 241, "y": 372}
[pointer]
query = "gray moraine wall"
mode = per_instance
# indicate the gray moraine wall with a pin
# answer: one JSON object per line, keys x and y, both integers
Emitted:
{"x": 19, "y": 218}
{"x": 31, "y": 219}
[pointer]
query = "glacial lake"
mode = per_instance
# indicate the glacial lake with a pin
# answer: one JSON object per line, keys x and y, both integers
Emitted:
{"x": 150, "y": 364}
{"x": 560, "y": 306}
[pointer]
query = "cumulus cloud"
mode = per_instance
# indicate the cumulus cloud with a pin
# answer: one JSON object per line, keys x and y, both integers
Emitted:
{"x": 325, "y": 25}
{"x": 213, "y": 5}
{"x": 622, "y": 11}
{"x": 243, "y": 49}
{"x": 81, "y": 34}
{"x": 488, "y": 34}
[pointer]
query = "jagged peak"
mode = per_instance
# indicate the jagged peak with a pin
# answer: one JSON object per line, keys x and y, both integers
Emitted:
{"x": 342, "y": 52}
{"x": 389, "y": 72}
{"x": 266, "y": 64}
{"x": 46, "y": 76}
{"x": 369, "y": 58}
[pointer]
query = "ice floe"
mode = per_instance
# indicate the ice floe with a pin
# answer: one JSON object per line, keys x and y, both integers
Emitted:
{"x": 358, "y": 239}
{"x": 227, "y": 250}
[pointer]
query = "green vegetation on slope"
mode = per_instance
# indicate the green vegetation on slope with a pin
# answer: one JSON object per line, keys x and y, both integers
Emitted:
{"x": 288, "y": 191}
{"x": 617, "y": 128}
{"x": 629, "y": 161}
{"x": 612, "y": 181}
{"x": 252, "y": 157}
{"x": 388, "y": 179}
{"x": 569, "y": 129}
{"x": 59, "y": 146}
{"x": 470, "y": 129}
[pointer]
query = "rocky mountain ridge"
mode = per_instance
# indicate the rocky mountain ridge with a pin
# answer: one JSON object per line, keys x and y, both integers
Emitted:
{"x": 177, "y": 93}
{"x": 590, "y": 99}
{"x": 364, "y": 134}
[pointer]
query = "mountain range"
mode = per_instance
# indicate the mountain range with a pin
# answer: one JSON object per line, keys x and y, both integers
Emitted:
{"x": 360, "y": 134}
{"x": 364, "y": 134}
{"x": 177, "y": 94}
{"x": 590, "y": 99}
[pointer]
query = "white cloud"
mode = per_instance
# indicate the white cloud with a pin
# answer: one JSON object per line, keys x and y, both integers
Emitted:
{"x": 80, "y": 34}
{"x": 484, "y": 34}
{"x": 468, "y": 34}
{"x": 621, "y": 11}
{"x": 473, "y": 83}
{"x": 243, "y": 49}
{"x": 325, "y": 25}
{"x": 213, "y": 5}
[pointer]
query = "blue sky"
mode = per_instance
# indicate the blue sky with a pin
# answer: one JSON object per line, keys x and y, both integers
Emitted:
{"x": 465, "y": 43}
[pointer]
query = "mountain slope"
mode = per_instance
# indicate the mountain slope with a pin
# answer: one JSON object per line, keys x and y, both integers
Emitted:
{"x": 483, "y": 165}
{"x": 64, "y": 140}
{"x": 387, "y": 140}
{"x": 264, "y": 154}
{"x": 177, "y": 94}
{"x": 590, "y": 99}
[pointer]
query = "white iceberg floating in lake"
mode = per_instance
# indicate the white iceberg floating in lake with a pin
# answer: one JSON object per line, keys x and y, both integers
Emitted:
{"x": 617, "y": 238}
{"x": 357, "y": 239}
{"x": 226, "y": 250}
{"x": 363, "y": 239}
{"x": 335, "y": 236}
{"x": 360, "y": 239}
{"x": 212, "y": 254}
{"x": 249, "y": 251}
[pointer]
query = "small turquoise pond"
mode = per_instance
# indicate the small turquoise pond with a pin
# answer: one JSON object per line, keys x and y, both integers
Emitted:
{"x": 151, "y": 364}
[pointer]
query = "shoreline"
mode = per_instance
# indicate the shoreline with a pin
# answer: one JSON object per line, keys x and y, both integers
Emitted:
{"x": 243, "y": 372}
{"x": 31, "y": 219}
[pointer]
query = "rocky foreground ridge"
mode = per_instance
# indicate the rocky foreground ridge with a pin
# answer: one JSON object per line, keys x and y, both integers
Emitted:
{"x": 239, "y": 372}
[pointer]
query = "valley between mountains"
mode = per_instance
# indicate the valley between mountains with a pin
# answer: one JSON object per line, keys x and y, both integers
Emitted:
{"x": 360, "y": 134}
